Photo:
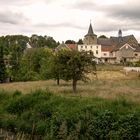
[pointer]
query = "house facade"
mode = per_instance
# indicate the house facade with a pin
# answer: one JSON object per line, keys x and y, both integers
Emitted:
{"x": 111, "y": 50}
{"x": 95, "y": 48}
{"x": 90, "y": 43}
{"x": 108, "y": 50}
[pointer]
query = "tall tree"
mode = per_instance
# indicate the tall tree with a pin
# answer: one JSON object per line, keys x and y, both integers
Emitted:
{"x": 2, "y": 65}
{"x": 74, "y": 65}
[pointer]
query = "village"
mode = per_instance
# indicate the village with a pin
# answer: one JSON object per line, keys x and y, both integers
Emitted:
{"x": 113, "y": 50}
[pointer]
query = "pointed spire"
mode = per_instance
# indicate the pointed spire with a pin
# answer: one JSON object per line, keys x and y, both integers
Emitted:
{"x": 90, "y": 30}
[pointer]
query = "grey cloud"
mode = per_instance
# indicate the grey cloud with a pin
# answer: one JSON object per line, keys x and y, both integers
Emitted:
{"x": 124, "y": 12}
{"x": 12, "y": 18}
{"x": 84, "y": 5}
{"x": 22, "y": 2}
{"x": 125, "y": 25}
{"x": 125, "y": 15}
{"x": 60, "y": 25}
{"x": 129, "y": 10}
{"x": 15, "y": 2}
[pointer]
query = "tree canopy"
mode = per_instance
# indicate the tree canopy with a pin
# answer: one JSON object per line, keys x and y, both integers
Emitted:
{"x": 70, "y": 42}
{"x": 102, "y": 36}
{"x": 73, "y": 65}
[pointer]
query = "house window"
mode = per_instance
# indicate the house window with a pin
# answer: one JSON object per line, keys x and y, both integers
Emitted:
{"x": 86, "y": 47}
{"x": 136, "y": 54}
{"x": 97, "y": 47}
{"x": 81, "y": 47}
{"x": 104, "y": 54}
{"x": 106, "y": 60}
{"x": 91, "y": 47}
{"x": 126, "y": 47}
{"x": 96, "y": 51}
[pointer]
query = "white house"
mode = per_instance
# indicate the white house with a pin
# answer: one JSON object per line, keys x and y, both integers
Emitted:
{"x": 95, "y": 48}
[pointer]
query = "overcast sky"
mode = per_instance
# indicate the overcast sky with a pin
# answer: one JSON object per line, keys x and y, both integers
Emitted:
{"x": 63, "y": 19}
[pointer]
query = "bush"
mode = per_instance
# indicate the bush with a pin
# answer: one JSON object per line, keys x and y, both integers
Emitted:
{"x": 53, "y": 117}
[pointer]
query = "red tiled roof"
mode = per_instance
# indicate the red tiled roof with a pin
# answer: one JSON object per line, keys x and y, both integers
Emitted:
{"x": 72, "y": 46}
{"x": 106, "y": 48}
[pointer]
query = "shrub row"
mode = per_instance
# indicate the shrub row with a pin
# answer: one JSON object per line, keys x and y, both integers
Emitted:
{"x": 54, "y": 117}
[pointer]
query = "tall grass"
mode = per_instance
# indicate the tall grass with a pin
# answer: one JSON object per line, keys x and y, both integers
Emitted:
{"x": 50, "y": 116}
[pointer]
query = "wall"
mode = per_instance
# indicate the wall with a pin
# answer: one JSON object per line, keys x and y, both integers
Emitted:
{"x": 96, "y": 49}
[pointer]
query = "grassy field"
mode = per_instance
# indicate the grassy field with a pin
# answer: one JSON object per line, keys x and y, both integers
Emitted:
{"x": 109, "y": 85}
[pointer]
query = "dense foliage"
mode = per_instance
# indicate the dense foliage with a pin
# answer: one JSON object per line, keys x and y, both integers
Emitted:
{"x": 2, "y": 66}
{"x": 13, "y": 51}
{"x": 73, "y": 65}
{"x": 47, "y": 116}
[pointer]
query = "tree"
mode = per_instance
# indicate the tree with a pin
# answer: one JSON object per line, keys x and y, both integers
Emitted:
{"x": 80, "y": 41}
{"x": 70, "y": 42}
{"x": 102, "y": 36}
{"x": 2, "y": 66}
{"x": 56, "y": 66}
{"x": 34, "y": 64}
{"x": 74, "y": 65}
{"x": 40, "y": 41}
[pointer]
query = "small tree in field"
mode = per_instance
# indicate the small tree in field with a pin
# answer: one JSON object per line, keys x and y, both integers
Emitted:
{"x": 74, "y": 65}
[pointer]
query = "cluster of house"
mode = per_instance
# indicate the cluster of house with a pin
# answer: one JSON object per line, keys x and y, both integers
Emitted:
{"x": 108, "y": 50}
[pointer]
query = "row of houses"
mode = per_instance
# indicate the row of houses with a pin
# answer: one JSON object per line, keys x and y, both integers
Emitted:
{"x": 108, "y": 50}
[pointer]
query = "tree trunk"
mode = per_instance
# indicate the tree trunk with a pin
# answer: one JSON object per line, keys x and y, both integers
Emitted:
{"x": 74, "y": 85}
{"x": 57, "y": 81}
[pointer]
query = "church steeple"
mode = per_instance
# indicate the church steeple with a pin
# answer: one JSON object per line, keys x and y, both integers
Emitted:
{"x": 120, "y": 33}
{"x": 90, "y": 37}
{"x": 90, "y": 31}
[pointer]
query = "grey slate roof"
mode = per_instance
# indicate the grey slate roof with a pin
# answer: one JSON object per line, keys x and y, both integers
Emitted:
{"x": 137, "y": 48}
{"x": 90, "y": 31}
{"x": 62, "y": 46}
{"x": 104, "y": 41}
{"x": 116, "y": 40}
{"x": 119, "y": 45}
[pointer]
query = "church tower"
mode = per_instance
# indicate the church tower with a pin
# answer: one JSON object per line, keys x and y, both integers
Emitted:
{"x": 120, "y": 39}
{"x": 120, "y": 33}
{"x": 90, "y": 37}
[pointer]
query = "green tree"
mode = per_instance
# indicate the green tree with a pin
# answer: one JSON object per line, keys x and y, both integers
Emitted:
{"x": 74, "y": 65}
{"x": 56, "y": 66}
{"x": 42, "y": 41}
{"x": 70, "y": 42}
{"x": 34, "y": 64}
{"x": 2, "y": 65}
{"x": 80, "y": 41}
{"x": 102, "y": 36}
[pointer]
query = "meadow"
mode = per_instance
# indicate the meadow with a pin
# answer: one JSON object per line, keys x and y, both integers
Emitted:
{"x": 108, "y": 84}
{"x": 106, "y": 107}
